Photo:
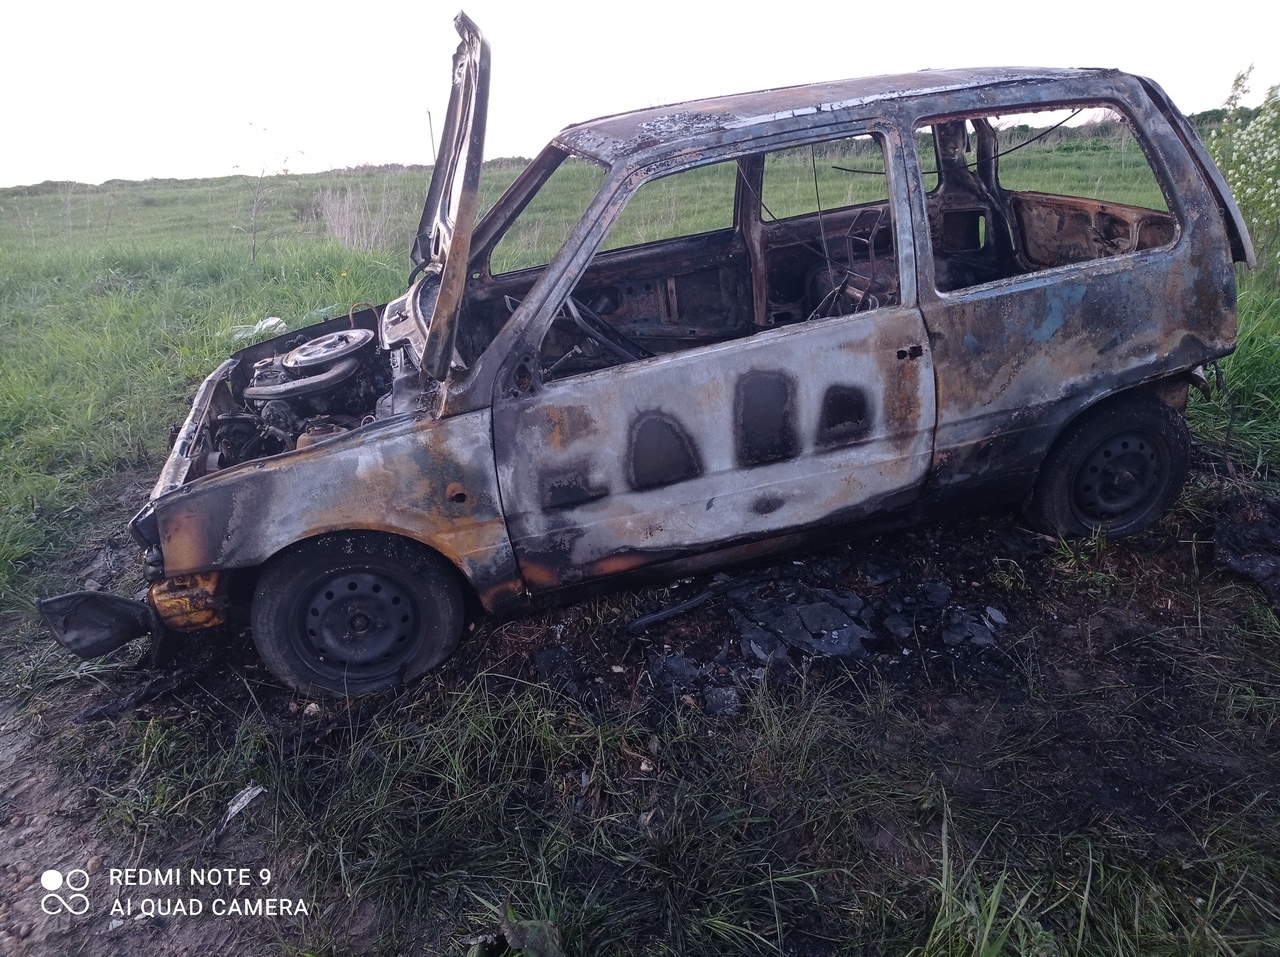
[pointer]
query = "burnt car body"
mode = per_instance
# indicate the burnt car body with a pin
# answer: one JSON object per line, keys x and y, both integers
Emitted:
{"x": 934, "y": 337}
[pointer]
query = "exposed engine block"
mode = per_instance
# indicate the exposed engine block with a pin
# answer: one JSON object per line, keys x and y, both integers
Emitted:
{"x": 320, "y": 388}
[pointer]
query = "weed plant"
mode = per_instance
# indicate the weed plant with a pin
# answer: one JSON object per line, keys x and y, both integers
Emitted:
{"x": 1246, "y": 148}
{"x": 1244, "y": 420}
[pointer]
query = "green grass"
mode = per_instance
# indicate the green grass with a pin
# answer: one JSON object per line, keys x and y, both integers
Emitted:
{"x": 1111, "y": 168}
{"x": 1249, "y": 417}
{"x": 103, "y": 345}
{"x": 116, "y": 299}
{"x": 823, "y": 812}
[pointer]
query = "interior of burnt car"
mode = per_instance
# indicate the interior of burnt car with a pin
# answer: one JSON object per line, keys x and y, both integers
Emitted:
{"x": 729, "y": 249}
{"x": 1022, "y": 191}
{"x": 828, "y": 231}
{"x": 701, "y": 256}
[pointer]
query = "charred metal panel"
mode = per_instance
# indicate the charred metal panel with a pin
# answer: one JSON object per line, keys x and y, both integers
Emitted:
{"x": 691, "y": 400}
{"x": 684, "y": 126}
{"x": 1060, "y": 230}
{"x": 1114, "y": 297}
{"x": 442, "y": 246}
{"x": 708, "y": 294}
{"x": 846, "y": 416}
{"x": 192, "y": 444}
{"x": 767, "y": 503}
{"x": 661, "y": 452}
{"x": 685, "y": 288}
{"x": 1028, "y": 356}
{"x": 569, "y": 487}
{"x": 1241, "y": 244}
{"x": 412, "y": 475}
{"x": 764, "y": 418}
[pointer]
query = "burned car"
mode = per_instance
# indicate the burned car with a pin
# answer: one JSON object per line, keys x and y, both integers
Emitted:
{"x": 692, "y": 335}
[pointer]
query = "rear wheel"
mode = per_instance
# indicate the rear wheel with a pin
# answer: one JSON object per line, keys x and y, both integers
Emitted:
{"x": 1114, "y": 471}
{"x": 353, "y": 613}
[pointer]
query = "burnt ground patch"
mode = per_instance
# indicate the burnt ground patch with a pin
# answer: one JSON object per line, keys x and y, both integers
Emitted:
{"x": 827, "y": 754}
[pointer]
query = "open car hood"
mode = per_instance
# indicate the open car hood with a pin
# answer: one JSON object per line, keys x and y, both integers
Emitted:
{"x": 441, "y": 248}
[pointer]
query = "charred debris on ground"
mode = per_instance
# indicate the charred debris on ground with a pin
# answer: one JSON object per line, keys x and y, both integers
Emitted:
{"x": 829, "y": 754}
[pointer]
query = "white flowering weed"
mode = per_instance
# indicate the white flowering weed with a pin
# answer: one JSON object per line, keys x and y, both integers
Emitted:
{"x": 1247, "y": 150}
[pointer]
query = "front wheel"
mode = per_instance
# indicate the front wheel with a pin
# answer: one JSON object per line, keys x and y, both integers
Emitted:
{"x": 354, "y": 613}
{"x": 1114, "y": 471}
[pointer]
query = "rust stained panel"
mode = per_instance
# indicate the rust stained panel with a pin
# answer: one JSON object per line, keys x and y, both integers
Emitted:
{"x": 187, "y": 446}
{"x": 568, "y": 425}
{"x": 660, "y": 452}
{"x": 702, "y": 397}
{"x": 846, "y": 416}
{"x": 686, "y": 126}
{"x": 429, "y": 480}
{"x": 190, "y": 602}
{"x": 1026, "y": 355}
{"x": 1126, "y": 296}
{"x": 765, "y": 418}
{"x": 1060, "y": 230}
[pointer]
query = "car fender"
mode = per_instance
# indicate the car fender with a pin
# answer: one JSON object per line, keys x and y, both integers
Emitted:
{"x": 428, "y": 479}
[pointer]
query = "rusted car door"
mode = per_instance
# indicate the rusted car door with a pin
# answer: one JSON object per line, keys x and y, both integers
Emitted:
{"x": 1037, "y": 304}
{"x": 717, "y": 446}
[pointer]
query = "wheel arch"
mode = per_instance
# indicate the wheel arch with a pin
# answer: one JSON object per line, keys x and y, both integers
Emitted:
{"x": 353, "y": 612}
{"x": 1133, "y": 489}
{"x": 1172, "y": 390}
{"x": 425, "y": 480}
{"x": 471, "y": 595}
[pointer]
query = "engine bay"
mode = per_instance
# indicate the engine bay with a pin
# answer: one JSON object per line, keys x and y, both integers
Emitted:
{"x": 297, "y": 389}
{"x": 322, "y": 387}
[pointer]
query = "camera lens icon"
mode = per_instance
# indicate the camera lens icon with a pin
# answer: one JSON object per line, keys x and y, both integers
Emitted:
{"x": 75, "y": 903}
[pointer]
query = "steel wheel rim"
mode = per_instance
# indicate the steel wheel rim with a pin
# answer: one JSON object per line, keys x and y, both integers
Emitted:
{"x": 360, "y": 623}
{"x": 1118, "y": 479}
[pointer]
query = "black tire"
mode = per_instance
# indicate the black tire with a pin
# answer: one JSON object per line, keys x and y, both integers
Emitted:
{"x": 1114, "y": 471}
{"x": 354, "y": 613}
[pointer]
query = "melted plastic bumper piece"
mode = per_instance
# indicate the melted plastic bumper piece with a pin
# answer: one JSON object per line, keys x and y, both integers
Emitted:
{"x": 91, "y": 624}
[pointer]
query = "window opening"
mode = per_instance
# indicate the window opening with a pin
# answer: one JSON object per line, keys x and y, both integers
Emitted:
{"x": 828, "y": 230}
{"x": 673, "y": 273}
{"x": 542, "y": 227}
{"x": 1018, "y": 192}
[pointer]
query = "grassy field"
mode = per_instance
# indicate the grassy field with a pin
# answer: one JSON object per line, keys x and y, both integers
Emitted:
{"x": 1106, "y": 782}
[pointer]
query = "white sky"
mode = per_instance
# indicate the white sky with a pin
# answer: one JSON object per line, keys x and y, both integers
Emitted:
{"x": 132, "y": 89}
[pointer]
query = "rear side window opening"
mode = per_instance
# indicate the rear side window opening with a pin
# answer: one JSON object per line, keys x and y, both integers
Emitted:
{"x": 1020, "y": 191}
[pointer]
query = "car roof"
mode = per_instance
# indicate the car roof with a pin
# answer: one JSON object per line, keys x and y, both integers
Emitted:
{"x": 610, "y": 139}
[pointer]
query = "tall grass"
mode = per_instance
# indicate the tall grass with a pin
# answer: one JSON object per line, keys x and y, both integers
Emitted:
{"x": 353, "y": 219}
{"x": 545, "y": 223}
{"x": 830, "y": 817}
{"x": 1247, "y": 416}
{"x": 116, "y": 299}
